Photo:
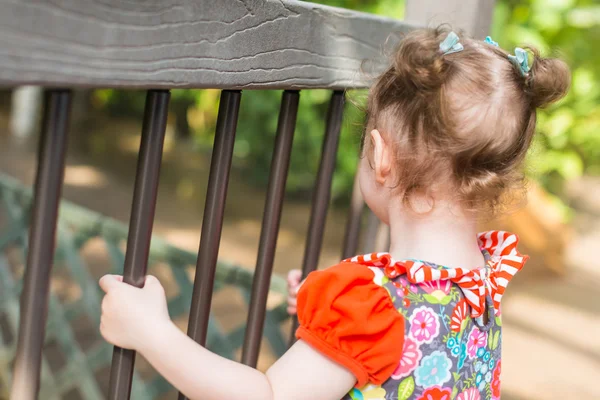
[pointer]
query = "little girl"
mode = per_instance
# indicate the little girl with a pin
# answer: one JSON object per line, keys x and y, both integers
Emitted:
{"x": 449, "y": 124}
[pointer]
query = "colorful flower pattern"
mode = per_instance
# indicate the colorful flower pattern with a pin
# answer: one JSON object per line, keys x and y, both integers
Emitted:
{"x": 459, "y": 315}
{"x": 434, "y": 369}
{"x": 424, "y": 324}
{"x": 469, "y": 394}
{"x": 448, "y": 354}
{"x": 496, "y": 381}
{"x": 411, "y": 355}
{"x": 437, "y": 393}
{"x": 477, "y": 340}
{"x": 437, "y": 292}
{"x": 369, "y": 392}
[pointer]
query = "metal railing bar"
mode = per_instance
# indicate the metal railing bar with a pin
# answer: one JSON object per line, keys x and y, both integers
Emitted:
{"x": 140, "y": 224}
{"x": 353, "y": 224}
{"x": 270, "y": 226}
{"x": 42, "y": 235}
{"x": 214, "y": 210}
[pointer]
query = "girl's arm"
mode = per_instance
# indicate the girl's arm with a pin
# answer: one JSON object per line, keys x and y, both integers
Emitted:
{"x": 138, "y": 319}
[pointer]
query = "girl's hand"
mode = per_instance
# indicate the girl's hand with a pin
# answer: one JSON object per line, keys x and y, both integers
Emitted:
{"x": 131, "y": 316}
{"x": 293, "y": 280}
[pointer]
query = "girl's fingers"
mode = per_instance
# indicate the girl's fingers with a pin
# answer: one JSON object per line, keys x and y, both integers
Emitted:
{"x": 293, "y": 278}
{"x": 107, "y": 282}
{"x": 291, "y": 310}
{"x": 292, "y": 301}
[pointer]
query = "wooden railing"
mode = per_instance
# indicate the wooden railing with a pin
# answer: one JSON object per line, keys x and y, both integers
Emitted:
{"x": 226, "y": 44}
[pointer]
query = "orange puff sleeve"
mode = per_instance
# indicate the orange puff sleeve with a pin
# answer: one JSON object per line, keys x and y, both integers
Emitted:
{"x": 352, "y": 320}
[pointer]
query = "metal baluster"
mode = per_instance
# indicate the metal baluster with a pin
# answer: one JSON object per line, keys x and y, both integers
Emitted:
{"x": 355, "y": 213}
{"x": 42, "y": 236}
{"x": 270, "y": 227}
{"x": 212, "y": 222}
{"x": 140, "y": 224}
{"x": 322, "y": 194}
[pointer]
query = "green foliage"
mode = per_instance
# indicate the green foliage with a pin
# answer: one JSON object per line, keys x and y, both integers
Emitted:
{"x": 256, "y": 134}
{"x": 388, "y": 8}
{"x": 120, "y": 103}
{"x": 567, "y": 144}
{"x": 568, "y": 140}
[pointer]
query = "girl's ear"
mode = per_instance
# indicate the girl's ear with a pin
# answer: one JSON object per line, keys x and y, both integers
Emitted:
{"x": 382, "y": 161}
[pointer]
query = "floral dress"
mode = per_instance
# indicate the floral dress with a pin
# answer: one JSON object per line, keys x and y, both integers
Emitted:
{"x": 411, "y": 329}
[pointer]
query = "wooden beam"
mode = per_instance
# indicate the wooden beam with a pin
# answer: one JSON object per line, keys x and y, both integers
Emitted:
{"x": 472, "y": 16}
{"x": 230, "y": 44}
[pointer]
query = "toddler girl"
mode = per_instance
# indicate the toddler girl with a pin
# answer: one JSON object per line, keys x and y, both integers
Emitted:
{"x": 449, "y": 124}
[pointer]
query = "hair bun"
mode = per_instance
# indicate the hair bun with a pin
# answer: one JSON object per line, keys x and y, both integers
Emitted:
{"x": 419, "y": 63}
{"x": 549, "y": 80}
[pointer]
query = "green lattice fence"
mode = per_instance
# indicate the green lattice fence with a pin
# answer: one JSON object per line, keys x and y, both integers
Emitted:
{"x": 76, "y": 360}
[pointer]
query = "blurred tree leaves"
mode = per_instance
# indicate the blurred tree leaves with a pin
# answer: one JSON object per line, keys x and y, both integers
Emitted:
{"x": 568, "y": 140}
{"x": 568, "y": 143}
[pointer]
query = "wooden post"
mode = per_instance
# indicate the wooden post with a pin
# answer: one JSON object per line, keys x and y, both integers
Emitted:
{"x": 472, "y": 16}
{"x": 25, "y": 109}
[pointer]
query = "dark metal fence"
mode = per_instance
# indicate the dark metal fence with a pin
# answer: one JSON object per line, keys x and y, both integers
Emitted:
{"x": 223, "y": 44}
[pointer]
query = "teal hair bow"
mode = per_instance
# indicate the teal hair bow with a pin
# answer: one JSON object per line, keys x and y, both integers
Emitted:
{"x": 451, "y": 44}
{"x": 489, "y": 40}
{"x": 520, "y": 61}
